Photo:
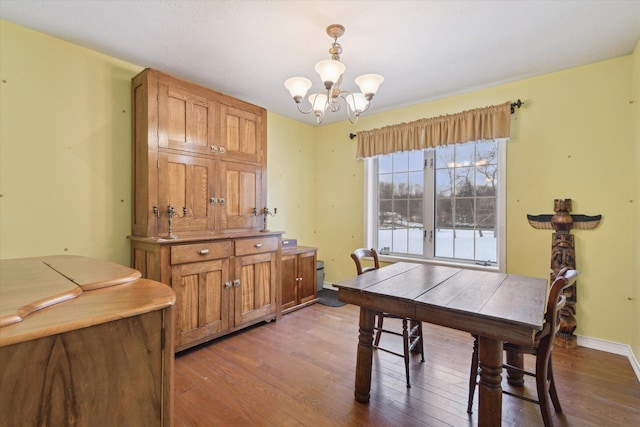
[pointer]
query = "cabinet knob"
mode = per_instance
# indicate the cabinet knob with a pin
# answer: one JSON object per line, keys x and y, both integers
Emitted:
{"x": 203, "y": 251}
{"x": 258, "y": 245}
{"x": 221, "y": 200}
{"x": 214, "y": 149}
{"x": 213, "y": 200}
{"x": 236, "y": 282}
{"x": 222, "y": 150}
{"x": 227, "y": 285}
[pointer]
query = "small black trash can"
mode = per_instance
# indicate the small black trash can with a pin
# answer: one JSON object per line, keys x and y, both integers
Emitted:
{"x": 320, "y": 272}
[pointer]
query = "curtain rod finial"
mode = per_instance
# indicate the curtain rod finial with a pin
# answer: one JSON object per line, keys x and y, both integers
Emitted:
{"x": 518, "y": 104}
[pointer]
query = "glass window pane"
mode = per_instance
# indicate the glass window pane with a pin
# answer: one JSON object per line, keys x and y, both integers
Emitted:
{"x": 416, "y": 241}
{"x": 486, "y": 213}
{"x": 444, "y": 213}
{"x": 464, "y": 243}
{"x": 385, "y": 186}
{"x": 385, "y": 164}
{"x": 465, "y": 154}
{"x": 401, "y": 162}
{"x": 486, "y": 180}
{"x": 416, "y": 160}
{"x": 464, "y": 182}
{"x": 443, "y": 242}
{"x": 416, "y": 184}
{"x": 400, "y": 239}
{"x": 444, "y": 183}
{"x": 415, "y": 213}
{"x": 444, "y": 157}
{"x": 400, "y": 185}
{"x": 399, "y": 212}
{"x": 464, "y": 213}
{"x": 384, "y": 213}
{"x": 486, "y": 153}
{"x": 486, "y": 246}
{"x": 384, "y": 237}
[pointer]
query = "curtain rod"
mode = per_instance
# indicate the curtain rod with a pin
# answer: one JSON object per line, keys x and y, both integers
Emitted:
{"x": 514, "y": 105}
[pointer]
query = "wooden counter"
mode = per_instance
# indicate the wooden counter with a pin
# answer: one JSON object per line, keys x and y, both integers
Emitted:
{"x": 83, "y": 342}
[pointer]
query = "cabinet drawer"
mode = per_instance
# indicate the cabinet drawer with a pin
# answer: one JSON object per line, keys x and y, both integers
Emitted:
{"x": 201, "y": 252}
{"x": 256, "y": 246}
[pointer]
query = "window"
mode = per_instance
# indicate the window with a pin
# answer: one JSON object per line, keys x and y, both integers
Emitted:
{"x": 445, "y": 204}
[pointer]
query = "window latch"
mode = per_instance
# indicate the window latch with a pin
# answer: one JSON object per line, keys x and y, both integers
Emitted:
{"x": 430, "y": 235}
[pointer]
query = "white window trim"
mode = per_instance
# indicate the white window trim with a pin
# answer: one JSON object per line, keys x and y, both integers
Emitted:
{"x": 371, "y": 215}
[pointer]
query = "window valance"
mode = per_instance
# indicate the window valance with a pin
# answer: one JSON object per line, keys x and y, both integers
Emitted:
{"x": 473, "y": 125}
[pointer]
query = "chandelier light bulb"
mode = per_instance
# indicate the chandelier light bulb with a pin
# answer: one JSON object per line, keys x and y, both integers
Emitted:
{"x": 330, "y": 71}
{"x": 369, "y": 83}
{"x": 298, "y": 87}
{"x": 357, "y": 102}
{"x": 318, "y": 102}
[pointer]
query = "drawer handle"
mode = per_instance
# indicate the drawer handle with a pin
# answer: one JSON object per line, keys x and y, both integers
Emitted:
{"x": 258, "y": 245}
{"x": 203, "y": 251}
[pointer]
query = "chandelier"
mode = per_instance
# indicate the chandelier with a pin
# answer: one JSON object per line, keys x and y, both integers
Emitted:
{"x": 330, "y": 72}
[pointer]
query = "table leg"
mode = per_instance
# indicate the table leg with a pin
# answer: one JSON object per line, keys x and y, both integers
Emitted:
{"x": 515, "y": 378}
{"x": 365, "y": 355}
{"x": 490, "y": 387}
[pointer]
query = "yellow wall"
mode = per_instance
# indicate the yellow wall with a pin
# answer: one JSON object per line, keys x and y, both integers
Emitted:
{"x": 635, "y": 120}
{"x": 291, "y": 178}
{"x": 65, "y": 148}
{"x": 65, "y": 168}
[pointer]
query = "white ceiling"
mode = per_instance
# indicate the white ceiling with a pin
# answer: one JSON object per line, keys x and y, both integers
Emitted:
{"x": 424, "y": 49}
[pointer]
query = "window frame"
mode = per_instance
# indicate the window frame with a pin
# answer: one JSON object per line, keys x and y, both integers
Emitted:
{"x": 371, "y": 218}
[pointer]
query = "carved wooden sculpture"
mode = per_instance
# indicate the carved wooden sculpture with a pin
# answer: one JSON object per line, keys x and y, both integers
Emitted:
{"x": 563, "y": 255}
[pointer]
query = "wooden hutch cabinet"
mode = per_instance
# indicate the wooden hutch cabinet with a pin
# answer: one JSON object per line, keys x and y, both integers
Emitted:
{"x": 299, "y": 278}
{"x": 199, "y": 177}
{"x": 199, "y": 151}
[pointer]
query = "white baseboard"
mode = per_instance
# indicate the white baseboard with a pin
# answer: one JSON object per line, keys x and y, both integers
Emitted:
{"x": 329, "y": 286}
{"x": 611, "y": 347}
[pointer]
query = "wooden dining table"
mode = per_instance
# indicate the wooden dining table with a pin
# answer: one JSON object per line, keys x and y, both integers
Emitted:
{"x": 496, "y": 307}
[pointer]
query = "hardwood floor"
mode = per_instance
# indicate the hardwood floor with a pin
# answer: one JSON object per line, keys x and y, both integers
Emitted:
{"x": 300, "y": 372}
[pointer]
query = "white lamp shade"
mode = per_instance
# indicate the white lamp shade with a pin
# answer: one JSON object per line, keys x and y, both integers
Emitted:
{"x": 369, "y": 83}
{"x": 298, "y": 86}
{"x": 357, "y": 102}
{"x": 330, "y": 70}
{"x": 318, "y": 102}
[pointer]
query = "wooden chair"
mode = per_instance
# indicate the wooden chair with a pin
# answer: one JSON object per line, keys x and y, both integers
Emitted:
{"x": 541, "y": 349}
{"x": 411, "y": 328}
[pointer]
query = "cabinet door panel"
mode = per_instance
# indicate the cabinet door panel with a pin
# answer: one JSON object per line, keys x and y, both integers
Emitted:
{"x": 241, "y": 188}
{"x": 202, "y": 300}
{"x": 186, "y": 289}
{"x": 185, "y": 121}
{"x": 255, "y": 295}
{"x": 289, "y": 282}
{"x": 308, "y": 275}
{"x": 186, "y": 182}
{"x": 241, "y": 134}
